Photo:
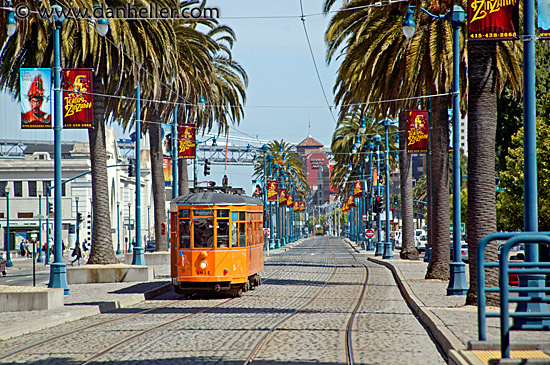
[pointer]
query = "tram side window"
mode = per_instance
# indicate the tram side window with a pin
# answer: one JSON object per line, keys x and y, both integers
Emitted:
{"x": 185, "y": 213}
{"x": 185, "y": 234}
{"x": 242, "y": 234}
{"x": 234, "y": 234}
{"x": 223, "y": 233}
{"x": 203, "y": 229}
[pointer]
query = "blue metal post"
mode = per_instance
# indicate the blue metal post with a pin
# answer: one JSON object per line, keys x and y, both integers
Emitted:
{"x": 278, "y": 240}
{"x": 457, "y": 282}
{"x": 129, "y": 229}
{"x": 58, "y": 269}
{"x": 271, "y": 232}
{"x": 530, "y": 196}
{"x": 40, "y": 257}
{"x": 77, "y": 223}
{"x": 370, "y": 246}
{"x": 8, "y": 241}
{"x": 388, "y": 252}
{"x": 174, "y": 155}
{"x": 265, "y": 192}
{"x": 149, "y": 222}
{"x": 138, "y": 258}
{"x": 48, "y": 248}
{"x": 379, "y": 243}
{"x": 118, "y": 251}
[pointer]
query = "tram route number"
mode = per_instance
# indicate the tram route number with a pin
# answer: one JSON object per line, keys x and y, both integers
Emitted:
{"x": 203, "y": 272}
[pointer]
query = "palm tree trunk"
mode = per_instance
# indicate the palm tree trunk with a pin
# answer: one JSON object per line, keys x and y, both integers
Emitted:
{"x": 102, "y": 251}
{"x": 408, "y": 250}
{"x": 183, "y": 177}
{"x": 440, "y": 219}
{"x": 157, "y": 179}
{"x": 482, "y": 113}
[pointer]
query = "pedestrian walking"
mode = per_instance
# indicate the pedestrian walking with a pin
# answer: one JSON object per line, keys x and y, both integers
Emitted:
{"x": 22, "y": 249}
{"x": 77, "y": 254}
{"x": 85, "y": 248}
{"x": 29, "y": 249}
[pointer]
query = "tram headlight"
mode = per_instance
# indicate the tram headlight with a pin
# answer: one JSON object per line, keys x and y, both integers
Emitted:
{"x": 203, "y": 264}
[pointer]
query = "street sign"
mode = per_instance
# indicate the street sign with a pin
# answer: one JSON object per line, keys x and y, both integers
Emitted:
{"x": 364, "y": 216}
{"x": 462, "y": 228}
{"x": 369, "y": 233}
{"x": 266, "y": 231}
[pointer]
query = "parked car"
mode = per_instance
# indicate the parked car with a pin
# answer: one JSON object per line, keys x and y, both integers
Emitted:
{"x": 421, "y": 242}
{"x": 151, "y": 246}
{"x": 3, "y": 265}
{"x": 463, "y": 251}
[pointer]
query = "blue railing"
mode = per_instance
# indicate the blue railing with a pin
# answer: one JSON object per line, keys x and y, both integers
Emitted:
{"x": 532, "y": 294}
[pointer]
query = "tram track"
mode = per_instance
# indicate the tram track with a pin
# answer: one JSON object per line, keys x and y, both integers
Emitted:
{"x": 349, "y": 327}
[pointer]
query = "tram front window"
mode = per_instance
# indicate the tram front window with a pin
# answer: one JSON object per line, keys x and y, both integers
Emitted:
{"x": 203, "y": 229}
{"x": 185, "y": 234}
{"x": 223, "y": 233}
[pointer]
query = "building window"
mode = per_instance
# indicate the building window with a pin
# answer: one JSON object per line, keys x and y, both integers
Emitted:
{"x": 32, "y": 188}
{"x": 63, "y": 189}
{"x": 3, "y": 185}
{"x": 18, "y": 188}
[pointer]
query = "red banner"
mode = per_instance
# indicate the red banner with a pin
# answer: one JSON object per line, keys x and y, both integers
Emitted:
{"x": 358, "y": 189}
{"x": 543, "y": 19}
{"x": 302, "y": 206}
{"x": 296, "y": 206}
{"x": 290, "y": 200}
{"x": 77, "y": 103}
{"x": 272, "y": 191}
{"x": 417, "y": 131}
{"x": 187, "y": 144}
{"x": 351, "y": 202}
{"x": 282, "y": 196}
{"x": 345, "y": 207}
{"x": 493, "y": 20}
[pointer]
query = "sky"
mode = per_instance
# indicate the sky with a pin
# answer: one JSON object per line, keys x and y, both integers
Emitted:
{"x": 284, "y": 96}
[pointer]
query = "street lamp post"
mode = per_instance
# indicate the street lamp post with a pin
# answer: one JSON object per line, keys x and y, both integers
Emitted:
{"x": 271, "y": 232}
{"x": 8, "y": 241}
{"x": 457, "y": 281}
{"x": 77, "y": 221}
{"x": 40, "y": 257}
{"x": 48, "y": 248}
{"x": 138, "y": 258}
{"x": 379, "y": 245}
{"x": 174, "y": 158}
{"x": 278, "y": 239}
{"x": 370, "y": 146}
{"x": 129, "y": 229}
{"x": 388, "y": 252}
{"x": 118, "y": 251}
{"x": 265, "y": 149}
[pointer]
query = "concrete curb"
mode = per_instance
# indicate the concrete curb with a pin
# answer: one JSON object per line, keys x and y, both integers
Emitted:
{"x": 450, "y": 344}
{"x": 44, "y": 320}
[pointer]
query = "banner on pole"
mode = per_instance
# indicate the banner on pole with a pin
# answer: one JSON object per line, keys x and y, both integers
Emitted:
{"x": 351, "y": 201}
{"x": 417, "y": 131}
{"x": 296, "y": 206}
{"x": 302, "y": 206}
{"x": 36, "y": 98}
{"x": 543, "y": 17}
{"x": 282, "y": 196}
{"x": 187, "y": 144}
{"x": 167, "y": 169}
{"x": 345, "y": 207}
{"x": 77, "y": 103}
{"x": 290, "y": 200}
{"x": 272, "y": 190}
{"x": 358, "y": 189}
{"x": 493, "y": 20}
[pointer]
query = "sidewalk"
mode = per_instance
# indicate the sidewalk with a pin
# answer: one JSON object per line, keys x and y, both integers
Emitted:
{"x": 84, "y": 300}
{"x": 453, "y": 324}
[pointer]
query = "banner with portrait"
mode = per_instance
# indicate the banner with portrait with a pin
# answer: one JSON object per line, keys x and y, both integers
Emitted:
{"x": 358, "y": 189}
{"x": 166, "y": 130}
{"x": 282, "y": 196}
{"x": 187, "y": 143}
{"x": 290, "y": 200}
{"x": 272, "y": 190}
{"x": 167, "y": 169}
{"x": 493, "y": 20}
{"x": 351, "y": 201}
{"x": 543, "y": 18}
{"x": 417, "y": 131}
{"x": 36, "y": 98}
{"x": 77, "y": 103}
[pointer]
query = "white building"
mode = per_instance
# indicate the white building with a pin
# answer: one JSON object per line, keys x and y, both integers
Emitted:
{"x": 28, "y": 176}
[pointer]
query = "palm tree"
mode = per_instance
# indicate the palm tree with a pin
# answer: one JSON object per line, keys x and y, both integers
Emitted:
{"x": 377, "y": 58}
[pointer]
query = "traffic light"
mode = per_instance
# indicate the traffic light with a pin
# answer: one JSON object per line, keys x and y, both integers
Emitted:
{"x": 395, "y": 201}
{"x": 50, "y": 208}
{"x": 378, "y": 205}
{"x": 79, "y": 218}
{"x": 131, "y": 172}
{"x": 206, "y": 167}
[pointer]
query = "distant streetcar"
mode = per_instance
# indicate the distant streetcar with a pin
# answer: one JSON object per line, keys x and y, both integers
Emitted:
{"x": 319, "y": 230}
{"x": 218, "y": 236}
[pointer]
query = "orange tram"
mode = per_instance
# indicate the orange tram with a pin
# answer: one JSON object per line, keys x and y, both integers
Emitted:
{"x": 217, "y": 236}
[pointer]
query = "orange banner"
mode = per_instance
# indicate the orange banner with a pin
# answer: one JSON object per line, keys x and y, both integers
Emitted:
{"x": 302, "y": 206}
{"x": 296, "y": 206}
{"x": 351, "y": 201}
{"x": 492, "y": 20}
{"x": 77, "y": 103}
{"x": 290, "y": 200}
{"x": 345, "y": 207}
